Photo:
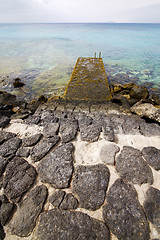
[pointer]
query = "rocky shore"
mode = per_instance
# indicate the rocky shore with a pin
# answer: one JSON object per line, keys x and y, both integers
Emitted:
{"x": 79, "y": 171}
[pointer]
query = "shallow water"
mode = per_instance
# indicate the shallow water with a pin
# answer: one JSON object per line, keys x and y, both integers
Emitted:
{"x": 44, "y": 55}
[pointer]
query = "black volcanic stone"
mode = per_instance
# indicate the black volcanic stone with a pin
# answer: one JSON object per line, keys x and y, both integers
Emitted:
{"x": 68, "y": 129}
{"x": 5, "y": 210}
{"x": 57, "y": 167}
{"x": 131, "y": 124}
{"x": 69, "y": 202}
{"x": 2, "y": 232}
{"x": 51, "y": 129}
{"x": 123, "y": 213}
{"x": 132, "y": 167}
{"x": 43, "y": 147}
{"x": 90, "y": 133}
{"x": 23, "y": 152}
{"x": 152, "y": 156}
{"x": 24, "y": 220}
{"x": 90, "y": 184}
{"x": 19, "y": 176}
{"x": 4, "y": 136}
{"x": 57, "y": 197}
{"x": 108, "y": 130}
{"x": 32, "y": 119}
{"x": 4, "y": 121}
{"x": 10, "y": 147}
{"x": 31, "y": 141}
{"x": 152, "y": 206}
{"x": 3, "y": 163}
{"x": 70, "y": 225}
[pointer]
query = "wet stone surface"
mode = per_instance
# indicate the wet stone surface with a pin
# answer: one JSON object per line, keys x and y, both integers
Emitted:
{"x": 24, "y": 220}
{"x": 90, "y": 184}
{"x": 152, "y": 156}
{"x": 43, "y": 147}
{"x": 19, "y": 176}
{"x": 132, "y": 167}
{"x": 61, "y": 224}
{"x": 152, "y": 206}
{"x": 56, "y": 168}
{"x": 10, "y": 147}
{"x": 123, "y": 213}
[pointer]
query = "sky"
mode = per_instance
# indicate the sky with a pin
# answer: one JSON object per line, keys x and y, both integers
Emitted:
{"x": 49, "y": 11}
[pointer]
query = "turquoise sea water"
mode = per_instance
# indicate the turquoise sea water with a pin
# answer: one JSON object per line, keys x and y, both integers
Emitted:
{"x": 44, "y": 55}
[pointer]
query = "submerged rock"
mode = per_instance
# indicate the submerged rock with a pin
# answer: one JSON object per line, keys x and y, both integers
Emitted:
{"x": 123, "y": 213}
{"x": 90, "y": 184}
{"x": 18, "y": 83}
{"x": 19, "y": 176}
{"x": 61, "y": 224}
{"x": 132, "y": 167}
{"x": 24, "y": 220}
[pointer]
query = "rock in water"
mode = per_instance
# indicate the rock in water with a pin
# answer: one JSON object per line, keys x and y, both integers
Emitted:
{"x": 90, "y": 184}
{"x": 18, "y": 83}
{"x": 69, "y": 225}
{"x": 57, "y": 167}
{"x": 24, "y": 220}
{"x": 139, "y": 92}
{"x": 132, "y": 166}
{"x": 19, "y": 176}
{"x": 152, "y": 206}
{"x": 123, "y": 213}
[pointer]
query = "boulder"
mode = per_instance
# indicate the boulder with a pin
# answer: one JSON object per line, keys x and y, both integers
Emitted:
{"x": 139, "y": 92}
{"x": 18, "y": 83}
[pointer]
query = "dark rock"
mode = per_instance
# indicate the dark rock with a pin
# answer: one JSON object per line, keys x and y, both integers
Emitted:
{"x": 123, "y": 213}
{"x": 18, "y": 83}
{"x": 4, "y": 136}
{"x": 32, "y": 119}
{"x": 69, "y": 202}
{"x": 19, "y": 176}
{"x": 7, "y": 99}
{"x": 131, "y": 124}
{"x": 57, "y": 167}
{"x": 152, "y": 156}
{"x": 68, "y": 129}
{"x": 43, "y": 147}
{"x": 155, "y": 98}
{"x": 90, "y": 133}
{"x": 22, "y": 115}
{"x": 152, "y": 206}
{"x": 139, "y": 92}
{"x": 42, "y": 99}
{"x": 23, "y": 152}
{"x": 5, "y": 210}
{"x": 4, "y": 121}
{"x": 56, "y": 198}
{"x": 149, "y": 129}
{"x": 108, "y": 130}
{"x": 61, "y": 224}
{"x": 24, "y": 220}
{"x": 2, "y": 233}
{"x": 132, "y": 167}
{"x": 128, "y": 86}
{"x": 116, "y": 121}
{"x": 108, "y": 153}
{"x": 90, "y": 184}
{"x": 84, "y": 120}
{"x": 3, "y": 163}
{"x": 10, "y": 147}
{"x": 48, "y": 117}
{"x": 51, "y": 129}
{"x": 31, "y": 141}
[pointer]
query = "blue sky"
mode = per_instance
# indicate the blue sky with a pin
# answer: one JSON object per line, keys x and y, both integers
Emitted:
{"x": 80, "y": 11}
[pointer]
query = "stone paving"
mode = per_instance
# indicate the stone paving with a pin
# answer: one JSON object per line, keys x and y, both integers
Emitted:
{"x": 76, "y": 175}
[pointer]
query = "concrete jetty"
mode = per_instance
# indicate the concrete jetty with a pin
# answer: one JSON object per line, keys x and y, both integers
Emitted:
{"x": 88, "y": 81}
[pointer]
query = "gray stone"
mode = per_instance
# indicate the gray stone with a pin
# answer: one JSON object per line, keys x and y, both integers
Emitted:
{"x": 108, "y": 153}
{"x": 57, "y": 167}
{"x": 51, "y": 129}
{"x": 4, "y": 136}
{"x": 67, "y": 225}
{"x": 150, "y": 129}
{"x": 23, "y": 152}
{"x": 68, "y": 129}
{"x": 19, "y": 176}
{"x": 31, "y": 141}
{"x": 32, "y": 119}
{"x": 4, "y": 121}
{"x": 10, "y": 147}
{"x": 90, "y": 184}
{"x": 90, "y": 133}
{"x": 3, "y": 163}
{"x": 69, "y": 202}
{"x": 152, "y": 206}
{"x": 56, "y": 198}
{"x": 139, "y": 92}
{"x": 84, "y": 120}
{"x": 116, "y": 121}
{"x": 123, "y": 213}
{"x": 47, "y": 117}
{"x": 43, "y": 147}
{"x": 152, "y": 156}
{"x": 131, "y": 124}
{"x": 24, "y": 220}
{"x": 108, "y": 130}
{"x": 5, "y": 210}
{"x": 132, "y": 167}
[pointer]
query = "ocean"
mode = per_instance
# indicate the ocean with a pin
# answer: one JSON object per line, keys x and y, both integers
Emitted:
{"x": 44, "y": 55}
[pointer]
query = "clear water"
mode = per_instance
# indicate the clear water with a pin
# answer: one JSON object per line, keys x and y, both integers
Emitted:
{"x": 44, "y": 55}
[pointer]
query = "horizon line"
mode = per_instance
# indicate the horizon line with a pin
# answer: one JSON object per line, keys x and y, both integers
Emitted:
{"x": 109, "y": 22}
